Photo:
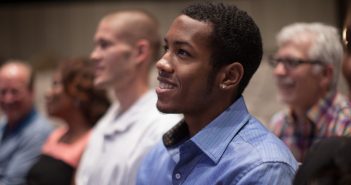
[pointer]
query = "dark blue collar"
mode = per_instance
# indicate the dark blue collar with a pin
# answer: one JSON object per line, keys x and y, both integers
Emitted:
{"x": 20, "y": 125}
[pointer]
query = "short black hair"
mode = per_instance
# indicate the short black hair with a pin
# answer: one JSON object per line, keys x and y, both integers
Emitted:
{"x": 235, "y": 37}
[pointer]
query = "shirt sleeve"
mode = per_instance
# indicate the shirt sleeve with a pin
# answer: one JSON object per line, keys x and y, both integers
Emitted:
{"x": 21, "y": 161}
{"x": 269, "y": 174}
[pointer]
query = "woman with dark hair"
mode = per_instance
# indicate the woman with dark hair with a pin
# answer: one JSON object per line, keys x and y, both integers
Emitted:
{"x": 73, "y": 99}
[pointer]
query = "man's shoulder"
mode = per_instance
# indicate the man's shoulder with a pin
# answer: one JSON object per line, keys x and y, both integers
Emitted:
{"x": 341, "y": 105}
{"x": 331, "y": 107}
{"x": 260, "y": 145}
{"x": 335, "y": 114}
{"x": 41, "y": 122}
{"x": 40, "y": 127}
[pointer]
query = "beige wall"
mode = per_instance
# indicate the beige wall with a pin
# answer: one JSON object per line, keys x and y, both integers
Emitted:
{"x": 45, "y": 32}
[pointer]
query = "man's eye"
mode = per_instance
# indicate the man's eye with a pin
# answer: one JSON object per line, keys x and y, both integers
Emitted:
{"x": 183, "y": 53}
{"x": 165, "y": 48}
{"x": 103, "y": 44}
{"x": 292, "y": 62}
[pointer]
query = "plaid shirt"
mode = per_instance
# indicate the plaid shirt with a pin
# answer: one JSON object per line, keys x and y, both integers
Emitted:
{"x": 331, "y": 116}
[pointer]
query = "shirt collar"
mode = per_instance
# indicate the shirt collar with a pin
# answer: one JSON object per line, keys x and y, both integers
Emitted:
{"x": 20, "y": 125}
{"x": 121, "y": 122}
{"x": 175, "y": 135}
{"x": 318, "y": 109}
{"x": 216, "y": 136}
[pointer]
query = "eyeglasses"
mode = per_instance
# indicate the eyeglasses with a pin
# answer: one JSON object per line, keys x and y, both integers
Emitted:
{"x": 290, "y": 63}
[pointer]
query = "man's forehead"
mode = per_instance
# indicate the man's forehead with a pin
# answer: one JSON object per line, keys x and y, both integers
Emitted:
{"x": 187, "y": 21}
{"x": 294, "y": 49}
{"x": 109, "y": 29}
{"x": 13, "y": 70}
{"x": 14, "y": 73}
{"x": 186, "y": 28}
{"x": 13, "y": 84}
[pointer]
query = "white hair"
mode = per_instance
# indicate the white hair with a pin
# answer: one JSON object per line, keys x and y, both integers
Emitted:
{"x": 325, "y": 42}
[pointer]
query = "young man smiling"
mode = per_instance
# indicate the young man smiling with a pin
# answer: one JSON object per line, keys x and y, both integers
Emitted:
{"x": 211, "y": 52}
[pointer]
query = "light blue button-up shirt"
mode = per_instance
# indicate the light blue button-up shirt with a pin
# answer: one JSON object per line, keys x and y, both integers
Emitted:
{"x": 234, "y": 148}
{"x": 21, "y": 147}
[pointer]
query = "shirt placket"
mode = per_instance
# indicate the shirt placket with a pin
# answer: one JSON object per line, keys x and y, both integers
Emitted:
{"x": 189, "y": 157}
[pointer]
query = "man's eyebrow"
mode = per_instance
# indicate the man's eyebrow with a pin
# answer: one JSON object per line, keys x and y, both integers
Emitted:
{"x": 178, "y": 43}
{"x": 99, "y": 40}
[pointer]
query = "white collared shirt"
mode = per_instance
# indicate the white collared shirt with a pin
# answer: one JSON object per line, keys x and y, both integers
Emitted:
{"x": 117, "y": 145}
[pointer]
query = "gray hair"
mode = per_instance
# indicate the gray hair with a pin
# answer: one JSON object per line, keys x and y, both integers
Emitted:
{"x": 325, "y": 41}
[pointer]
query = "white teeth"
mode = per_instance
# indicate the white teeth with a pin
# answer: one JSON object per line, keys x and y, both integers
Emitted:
{"x": 165, "y": 85}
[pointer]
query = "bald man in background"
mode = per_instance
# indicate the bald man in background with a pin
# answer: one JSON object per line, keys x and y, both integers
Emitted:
{"x": 22, "y": 130}
{"x": 126, "y": 46}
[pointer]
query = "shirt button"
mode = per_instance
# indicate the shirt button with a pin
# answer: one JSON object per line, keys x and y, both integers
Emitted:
{"x": 178, "y": 176}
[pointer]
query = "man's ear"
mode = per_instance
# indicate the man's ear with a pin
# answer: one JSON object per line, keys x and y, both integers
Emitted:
{"x": 327, "y": 76}
{"x": 142, "y": 51}
{"x": 231, "y": 75}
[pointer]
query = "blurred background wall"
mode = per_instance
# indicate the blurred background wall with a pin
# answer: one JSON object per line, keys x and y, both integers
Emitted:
{"x": 44, "y": 32}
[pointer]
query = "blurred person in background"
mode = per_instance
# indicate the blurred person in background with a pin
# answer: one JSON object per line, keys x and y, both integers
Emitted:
{"x": 126, "y": 45}
{"x": 306, "y": 68}
{"x": 327, "y": 162}
{"x": 73, "y": 99}
{"x": 346, "y": 36}
{"x": 23, "y": 129}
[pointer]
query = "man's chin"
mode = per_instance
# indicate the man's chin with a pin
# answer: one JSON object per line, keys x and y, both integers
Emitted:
{"x": 12, "y": 119}
{"x": 285, "y": 99}
{"x": 165, "y": 109}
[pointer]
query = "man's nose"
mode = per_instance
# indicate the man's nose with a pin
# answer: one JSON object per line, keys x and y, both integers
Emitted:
{"x": 164, "y": 65}
{"x": 280, "y": 70}
{"x": 95, "y": 55}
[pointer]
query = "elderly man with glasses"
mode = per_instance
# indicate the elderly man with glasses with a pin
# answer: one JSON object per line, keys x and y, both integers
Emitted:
{"x": 306, "y": 68}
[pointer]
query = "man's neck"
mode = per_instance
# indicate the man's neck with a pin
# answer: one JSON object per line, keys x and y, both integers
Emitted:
{"x": 12, "y": 124}
{"x": 299, "y": 113}
{"x": 129, "y": 95}
{"x": 198, "y": 120}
